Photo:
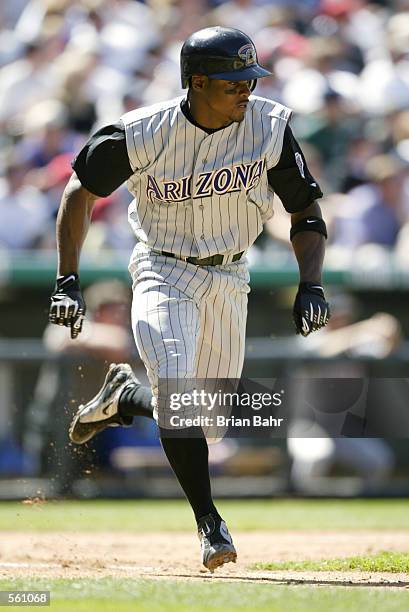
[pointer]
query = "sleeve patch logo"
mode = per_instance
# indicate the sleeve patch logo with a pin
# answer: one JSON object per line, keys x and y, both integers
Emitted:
{"x": 300, "y": 164}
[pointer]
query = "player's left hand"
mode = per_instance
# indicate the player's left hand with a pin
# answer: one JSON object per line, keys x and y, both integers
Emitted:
{"x": 67, "y": 304}
{"x": 311, "y": 310}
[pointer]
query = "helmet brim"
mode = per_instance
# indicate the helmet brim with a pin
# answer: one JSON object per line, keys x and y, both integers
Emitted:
{"x": 247, "y": 74}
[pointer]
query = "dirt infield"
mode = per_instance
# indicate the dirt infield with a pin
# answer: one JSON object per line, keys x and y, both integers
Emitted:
{"x": 158, "y": 555}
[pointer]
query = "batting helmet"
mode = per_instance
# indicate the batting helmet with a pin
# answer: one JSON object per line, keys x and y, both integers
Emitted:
{"x": 220, "y": 53}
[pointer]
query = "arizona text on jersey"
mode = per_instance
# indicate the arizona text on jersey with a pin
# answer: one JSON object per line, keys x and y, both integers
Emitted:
{"x": 199, "y": 194}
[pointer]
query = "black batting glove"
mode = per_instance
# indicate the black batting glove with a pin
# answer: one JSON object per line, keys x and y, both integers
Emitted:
{"x": 311, "y": 310}
{"x": 67, "y": 304}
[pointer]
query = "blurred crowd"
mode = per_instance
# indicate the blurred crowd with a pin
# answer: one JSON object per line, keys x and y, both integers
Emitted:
{"x": 67, "y": 67}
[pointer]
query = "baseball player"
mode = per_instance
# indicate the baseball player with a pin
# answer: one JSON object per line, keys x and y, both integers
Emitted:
{"x": 203, "y": 169}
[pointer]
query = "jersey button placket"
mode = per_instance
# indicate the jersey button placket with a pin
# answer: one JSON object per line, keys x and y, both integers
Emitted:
{"x": 201, "y": 207}
{"x": 198, "y": 205}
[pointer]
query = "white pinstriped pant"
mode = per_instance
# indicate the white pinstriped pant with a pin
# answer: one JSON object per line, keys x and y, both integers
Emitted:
{"x": 188, "y": 321}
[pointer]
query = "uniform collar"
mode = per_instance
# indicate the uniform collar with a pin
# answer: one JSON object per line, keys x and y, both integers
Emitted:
{"x": 184, "y": 105}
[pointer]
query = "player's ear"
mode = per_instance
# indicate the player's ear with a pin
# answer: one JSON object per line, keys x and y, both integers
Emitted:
{"x": 199, "y": 82}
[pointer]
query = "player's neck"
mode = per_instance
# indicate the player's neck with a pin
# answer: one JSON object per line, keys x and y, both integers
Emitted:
{"x": 203, "y": 116}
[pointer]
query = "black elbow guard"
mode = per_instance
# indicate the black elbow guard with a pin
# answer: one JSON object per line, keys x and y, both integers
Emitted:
{"x": 309, "y": 224}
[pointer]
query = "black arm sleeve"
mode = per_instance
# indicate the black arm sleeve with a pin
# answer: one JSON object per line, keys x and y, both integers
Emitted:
{"x": 103, "y": 164}
{"x": 291, "y": 179}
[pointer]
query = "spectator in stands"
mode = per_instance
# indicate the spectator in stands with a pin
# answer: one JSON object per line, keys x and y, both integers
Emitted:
{"x": 245, "y": 15}
{"x": 313, "y": 444}
{"x": 373, "y": 213}
{"x": 46, "y": 133}
{"x": 28, "y": 80}
{"x": 51, "y": 179}
{"x": 330, "y": 132}
{"x": 23, "y": 209}
{"x": 68, "y": 67}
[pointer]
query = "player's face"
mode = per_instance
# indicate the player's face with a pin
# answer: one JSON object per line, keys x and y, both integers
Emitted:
{"x": 224, "y": 101}
{"x": 229, "y": 99}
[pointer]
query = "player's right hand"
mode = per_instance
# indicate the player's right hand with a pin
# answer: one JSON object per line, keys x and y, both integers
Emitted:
{"x": 67, "y": 304}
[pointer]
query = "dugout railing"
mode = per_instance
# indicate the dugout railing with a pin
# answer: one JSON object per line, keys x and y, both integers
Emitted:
{"x": 39, "y": 391}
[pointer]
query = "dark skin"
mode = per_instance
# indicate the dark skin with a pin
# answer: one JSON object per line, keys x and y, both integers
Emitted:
{"x": 214, "y": 104}
{"x": 73, "y": 221}
{"x": 309, "y": 247}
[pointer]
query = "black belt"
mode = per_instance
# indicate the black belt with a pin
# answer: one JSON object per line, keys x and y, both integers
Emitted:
{"x": 214, "y": 260}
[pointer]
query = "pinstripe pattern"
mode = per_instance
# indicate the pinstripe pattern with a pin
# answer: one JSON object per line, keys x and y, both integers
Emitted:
{"x": 188, "y": 321}
{"x": 196, "y": 194}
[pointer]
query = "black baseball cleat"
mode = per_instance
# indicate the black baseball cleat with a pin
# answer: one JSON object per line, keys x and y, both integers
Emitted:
{"x": 216, "y": 542}
{"x": 102, "y": 410}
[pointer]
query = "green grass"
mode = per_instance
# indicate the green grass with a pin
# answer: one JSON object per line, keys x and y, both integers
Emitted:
{"x": 125, "y": 595}
{"x": 165, "y": 516}
{"x": 380, "y": 562}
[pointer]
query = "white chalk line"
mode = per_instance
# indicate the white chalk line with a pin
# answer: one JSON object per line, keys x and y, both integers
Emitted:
{"x": 7, "y": 564}
{"x": 248, "y": 579}
{"x": 38, "y": 565}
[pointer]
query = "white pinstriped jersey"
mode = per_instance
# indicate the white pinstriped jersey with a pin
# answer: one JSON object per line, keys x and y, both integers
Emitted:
{"x": 199, "y": 194}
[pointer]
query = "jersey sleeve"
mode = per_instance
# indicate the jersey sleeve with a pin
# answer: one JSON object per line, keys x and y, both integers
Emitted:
{"x": 103, "y": 165}
{"x": 291, "y": 178}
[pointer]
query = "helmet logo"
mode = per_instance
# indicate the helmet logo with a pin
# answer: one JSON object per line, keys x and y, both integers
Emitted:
{"x": 248, "y": 54}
